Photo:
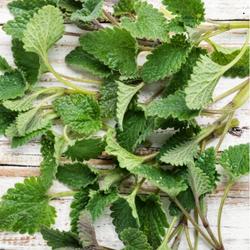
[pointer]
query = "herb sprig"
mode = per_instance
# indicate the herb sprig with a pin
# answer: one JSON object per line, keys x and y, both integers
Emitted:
{"x": 76, "y": 124}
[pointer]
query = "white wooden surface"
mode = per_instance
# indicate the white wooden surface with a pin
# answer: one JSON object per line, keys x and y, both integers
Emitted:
{"x": 19, "y": 163}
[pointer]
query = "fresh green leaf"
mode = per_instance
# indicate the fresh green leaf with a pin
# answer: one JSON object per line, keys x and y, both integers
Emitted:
{"x": 166, "y": 59}
{"x": 48, "y": 167}
{"x": 190, "y": 12}
{"x": 134, "y": 239}
{"x": 85, "y": 149}
{"x": 152, "y": 219}
{"x": 44, "y": 29}
{"x": 99, "y": 200}
{"x": 164, "y": 180}
{"x": 122, "y": 216}
{"x": 108, "y": 98}
{"x": 80, "y": 112}
{"x": 25, "y": 208}
{"x": 28, "y": 62}
{"x": 172, "y": 106}
{"x": 150, "y": 23}
{"x": 126, "y": 159}
{"x": 57, "y": 239}
{"x": 204, "y": 79}
{"x": 123, "y": 54}
{"x": 240, "y": 69}
{"x": 81, "y": 60}
{"x": 92, "y": 9}
{"x": 136, "y": 128}
{"x": 4, "y": 65}
{"x": 235, "y": 160}
{"x": 75, "y": 175}
{"x": 6, "y": 118}
{"x": 12, "y": 85}
{"x": 124, "y": 96}
{"x": 123, "y": 7}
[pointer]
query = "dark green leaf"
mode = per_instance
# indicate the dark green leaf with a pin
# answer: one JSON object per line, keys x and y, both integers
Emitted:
{"x": 6, "y": 118}
{"x": 4, "y": 65}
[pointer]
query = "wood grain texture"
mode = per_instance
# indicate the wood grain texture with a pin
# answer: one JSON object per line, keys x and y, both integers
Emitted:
{"x": 15, "y": 164}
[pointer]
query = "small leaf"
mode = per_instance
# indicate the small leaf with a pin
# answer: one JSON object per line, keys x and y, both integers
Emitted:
{"x": 152, "y": 219}
{"x": 122, "y": 57}
{"x": 12, "y": 85}
{"x": 172, "y": 106}
{"x": 166, "y": 59}
{"x": 190, "y": 12}
{"x": 204, "y": 79}
{"x": 81, "y": 60}
{"x": 149, "y": 23}
{"x": 75, "y": 175}
{"x": 123, "y": 7}
{"x": 25, "y": 208}
{"x": 134, "y": 239}
{"x": 235, "y": 160}
{"x": 80, "y": 112}
{"x": 92, "y": 9}
{"x": 4, "y": 65}
{"x": 124, "y": 96}
{"x": 6, "y": 118}
{"x": 57, "y": 239}
{"x": 122, "y": 216}
{"x": 43, "y": 30}
{"x": 99, "y": 200}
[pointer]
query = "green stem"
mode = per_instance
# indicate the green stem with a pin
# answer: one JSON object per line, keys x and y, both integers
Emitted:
{"x": 188, "y": 237}
{"x": 234, "y": 25}
{"x": 223, "y": 199}
{"x": 187, "y": 215}
{"x": 177, "y": 239}
{"x": 81, "y": 79}
{"x": 150, "y": 157}
{"x": 65, "y": 134}
{"x": 62, "y": 194}
{"x": 230, "y": 91}
{"x": 110, "y": 18}
{"x": 196, "y": 233}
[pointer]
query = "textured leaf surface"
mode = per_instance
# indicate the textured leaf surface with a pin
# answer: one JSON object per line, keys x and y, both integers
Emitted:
{"x": 4, "y": 65}
{"x": 81, "y": 60}
{"x": 75, "y": 175}
{"x": 86, "y": 149}
{"x": 92, "y": 9}
{"x": 122, "y": 216}
{"x": 172, "y": 106}
{"x": 126, "y": 159}
{"x": 48, "y": 167}
{"x": 190, "y": 12}
{"x": 166, "y": 59}
{"x": 150, "y": 23}
{"x": 206, "y": 75}
{"x": 153, "y": 219}
{"x": 25, "y": 208}
{"x": 12, "y": 85}
{"x": 134, "y": 239}
{"x": 57, "y": 239}
{"x": 123, "y": 7}
{"x": 80, "y": 112}
{"x": 43, "y": 30}
{"x": 28, "y": 62}
{"x": 136, "y": 128}
{"x": 235, "y": 160}
{"x": 169, "y": 183}
{"x": 124, "y": 96}
{"x": 6, "y": 118}
{"x": 115, "y": 47}
{"x": 99, "y": 200}
{"x": 240, "y": 69}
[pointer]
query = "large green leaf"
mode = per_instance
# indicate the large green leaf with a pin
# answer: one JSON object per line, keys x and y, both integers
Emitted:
{"x": 153, "y": 221}
{"x": 75, "y": 175}
{"x": 134, "y": 239}
{"x": 235, "y": 160}
{"x": 149, "y": 23}
{"x": 166, "y": 59}
{"x": 171, "y": 106}
{"x": 80, "y": 112}
{"x": 43, "y": 30}
{"x": 12, "y": 85}
{"x": 25, "y": 208}
{"x": 81, "y": 60}
{"x": 115, "y": 47}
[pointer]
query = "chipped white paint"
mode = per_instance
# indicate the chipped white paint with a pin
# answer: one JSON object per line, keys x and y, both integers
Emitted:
{"x": 18, "y": 163}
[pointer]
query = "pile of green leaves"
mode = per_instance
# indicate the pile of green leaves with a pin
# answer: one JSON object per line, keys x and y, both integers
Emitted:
{"x": 73, "y": 121}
